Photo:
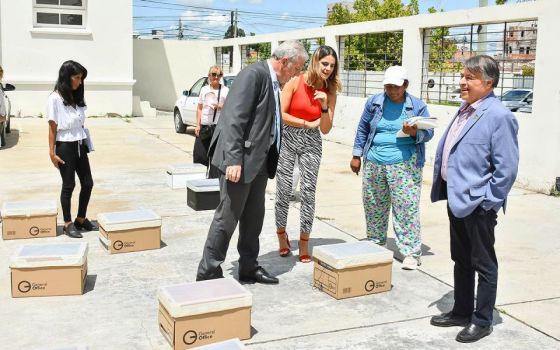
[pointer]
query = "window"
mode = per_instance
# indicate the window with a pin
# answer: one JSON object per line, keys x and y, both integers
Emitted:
{"x": 195, "y": 90}
{"x": 59, "y": 13}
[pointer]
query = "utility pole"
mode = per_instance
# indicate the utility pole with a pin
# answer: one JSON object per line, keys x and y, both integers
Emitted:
{"x": 235, "y": 25}
{"x": 180, "y": 35}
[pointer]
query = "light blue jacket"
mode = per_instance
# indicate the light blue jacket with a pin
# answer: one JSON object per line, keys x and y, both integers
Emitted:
{"x": 482, "y": 165}
{"x": 372, "y": 114}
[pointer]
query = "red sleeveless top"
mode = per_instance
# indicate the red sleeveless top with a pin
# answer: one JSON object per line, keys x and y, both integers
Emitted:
{"x": 303, "y": 105}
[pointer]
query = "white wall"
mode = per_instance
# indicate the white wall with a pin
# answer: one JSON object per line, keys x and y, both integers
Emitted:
{"x": 31, "y": 57}
{"x": 164, "y": 68}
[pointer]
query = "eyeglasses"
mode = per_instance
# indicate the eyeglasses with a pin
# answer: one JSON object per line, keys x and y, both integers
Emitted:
{"x": 216, "y": 74}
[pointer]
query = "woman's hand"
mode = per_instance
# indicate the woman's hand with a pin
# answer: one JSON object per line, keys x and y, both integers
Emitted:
{"x": 409, "y": 129}
{"x": 322, "y": 98}
{"x": 356, "y": 164}
{"x": 313, "y": 124}
{"x": 56, "y": 160}
{"x": 197, "y": 130}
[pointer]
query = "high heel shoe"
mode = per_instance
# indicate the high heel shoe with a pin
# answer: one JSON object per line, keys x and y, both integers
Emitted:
{"x": 284, "y": 252}
{"x": 303, "y": 258}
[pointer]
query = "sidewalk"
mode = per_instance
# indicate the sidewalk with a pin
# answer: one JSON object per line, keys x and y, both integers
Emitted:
{"x": 119, "y": 308}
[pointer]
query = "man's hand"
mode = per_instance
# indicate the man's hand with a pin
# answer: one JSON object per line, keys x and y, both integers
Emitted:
{"x": 56, "y": 160}
{"x": 233, "y": 173}
{"x": 356, "y": 164}
{"x": 197, "y": 130}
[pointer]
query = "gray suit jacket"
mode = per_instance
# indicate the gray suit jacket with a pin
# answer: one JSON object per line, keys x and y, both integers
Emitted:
{"x": 244, "y": 131}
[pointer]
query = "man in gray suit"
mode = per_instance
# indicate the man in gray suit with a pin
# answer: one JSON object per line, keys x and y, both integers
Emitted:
{"x": 245, "y": 149}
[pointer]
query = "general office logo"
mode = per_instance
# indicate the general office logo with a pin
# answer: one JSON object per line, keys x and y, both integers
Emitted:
{"x": 34, "y": 231}
{"x": 190, "y": 337}
{"x": 24, "y": 286}
{"x": 370, "y": 285}
{"x": 118, "y": 245}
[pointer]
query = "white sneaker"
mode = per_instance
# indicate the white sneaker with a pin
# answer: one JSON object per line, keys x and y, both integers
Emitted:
{"x": 411, "y": 263}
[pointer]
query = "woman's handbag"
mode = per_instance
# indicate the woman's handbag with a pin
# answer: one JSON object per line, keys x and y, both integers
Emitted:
{"x": 89, "y": 142}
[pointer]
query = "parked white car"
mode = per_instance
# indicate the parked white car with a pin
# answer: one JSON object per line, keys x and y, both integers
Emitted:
{"x": 5, "y": 119}
{"x": 184, "y": 113}
{"x": 517, "y": 98}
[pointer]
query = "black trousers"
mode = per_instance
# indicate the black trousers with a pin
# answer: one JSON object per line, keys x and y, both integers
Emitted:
{"x": 239, "y": 203}
{"x": 74, "y": 163}
{"x": 472, "y": 250}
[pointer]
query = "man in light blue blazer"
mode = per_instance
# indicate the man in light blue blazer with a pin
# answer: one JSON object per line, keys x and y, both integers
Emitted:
{"x": 475, "y": 168}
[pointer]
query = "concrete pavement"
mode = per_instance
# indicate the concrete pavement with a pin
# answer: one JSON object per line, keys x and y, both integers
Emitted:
{"x": 119, "y": 308}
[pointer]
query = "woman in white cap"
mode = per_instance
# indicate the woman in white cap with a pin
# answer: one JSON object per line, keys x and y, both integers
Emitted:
{"x": 392, "y": 175}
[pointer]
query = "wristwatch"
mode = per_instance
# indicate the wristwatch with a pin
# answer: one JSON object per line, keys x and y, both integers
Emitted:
{"x": 324, "y": 110}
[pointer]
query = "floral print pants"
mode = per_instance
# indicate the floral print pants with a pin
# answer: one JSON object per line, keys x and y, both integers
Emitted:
{"x": 395, "y": 186}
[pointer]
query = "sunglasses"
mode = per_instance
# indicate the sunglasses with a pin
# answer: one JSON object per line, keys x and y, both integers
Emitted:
{"x": 216, "y": 74}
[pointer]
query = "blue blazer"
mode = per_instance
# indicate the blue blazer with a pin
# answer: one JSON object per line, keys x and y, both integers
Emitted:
{"x": 482, "y": 165}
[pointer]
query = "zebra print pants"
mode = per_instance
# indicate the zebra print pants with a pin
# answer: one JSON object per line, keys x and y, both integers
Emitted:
{"x": 307, "y": 145}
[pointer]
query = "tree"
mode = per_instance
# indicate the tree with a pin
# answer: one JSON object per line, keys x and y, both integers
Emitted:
{"x": 372, "y": 51}
{"x": 500, "y": 2}
{"x": 442, "y": 49}
{"x": 527, "y": 70}
{"x": 229, "y": 32}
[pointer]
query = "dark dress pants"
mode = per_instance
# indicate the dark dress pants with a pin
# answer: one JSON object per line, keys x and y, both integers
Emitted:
{"x": 75, "y": 162}
{"x": 472, "y": 250}
{"x": 239, "y": 203}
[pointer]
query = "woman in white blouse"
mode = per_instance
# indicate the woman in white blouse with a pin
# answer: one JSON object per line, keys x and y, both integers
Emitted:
{"x": 67, "y": 143}
{"x": 210, "y": 103}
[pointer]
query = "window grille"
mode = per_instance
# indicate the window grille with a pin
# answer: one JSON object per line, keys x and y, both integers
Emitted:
{"x": 511, "y": 44}
{"x": 364, "y": 59}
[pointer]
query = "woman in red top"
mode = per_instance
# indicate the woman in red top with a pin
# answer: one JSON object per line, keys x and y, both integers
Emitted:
{"x": 308, "y": 103}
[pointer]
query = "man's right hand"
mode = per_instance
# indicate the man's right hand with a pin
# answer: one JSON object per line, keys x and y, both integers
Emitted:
{"x": 56, "y": 160}
{"x": 233, "y": 173}
{"x": 197, "y": 130}
{"x": 355, "y": 165}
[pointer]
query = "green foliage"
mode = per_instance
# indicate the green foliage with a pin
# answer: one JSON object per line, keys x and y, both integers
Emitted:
{"x": 501, "y": 2}
{"x": 229, "y": 32}
{"x": 527, "y": 71}
{"x": 372, "y": 51}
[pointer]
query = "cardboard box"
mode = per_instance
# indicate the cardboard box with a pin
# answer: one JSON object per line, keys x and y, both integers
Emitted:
{"x": 49, "y": 269}
{"x": 203, "y": 194}
{"x": 232, "y": 344}
{"x": 205, "y": 312}
{"x": 347, "y": 270}
{"x": 29, "y": 219}
{"x": 129, "y": 231}
{"x": 179, "y": 173}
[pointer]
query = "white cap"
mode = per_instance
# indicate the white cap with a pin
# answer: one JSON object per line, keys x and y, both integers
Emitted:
{"x": 395, "y": 75}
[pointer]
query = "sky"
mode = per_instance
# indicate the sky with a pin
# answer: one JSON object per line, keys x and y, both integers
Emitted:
{"x": 209, "y": 19}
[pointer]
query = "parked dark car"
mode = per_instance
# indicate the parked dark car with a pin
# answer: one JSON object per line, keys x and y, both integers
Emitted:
{"x": 5, "y": 120}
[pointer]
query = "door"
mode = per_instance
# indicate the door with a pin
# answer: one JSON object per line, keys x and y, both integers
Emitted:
{"x": 191, "y": 102}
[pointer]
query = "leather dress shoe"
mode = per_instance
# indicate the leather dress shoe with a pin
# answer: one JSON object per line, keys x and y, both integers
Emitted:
{"x": 72, "y": 231}
{"x": 449, "y": 320}
{"x": 260, "y": 276}
{"x": 86, "y": 225}
{"x": 472, "y": 333}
